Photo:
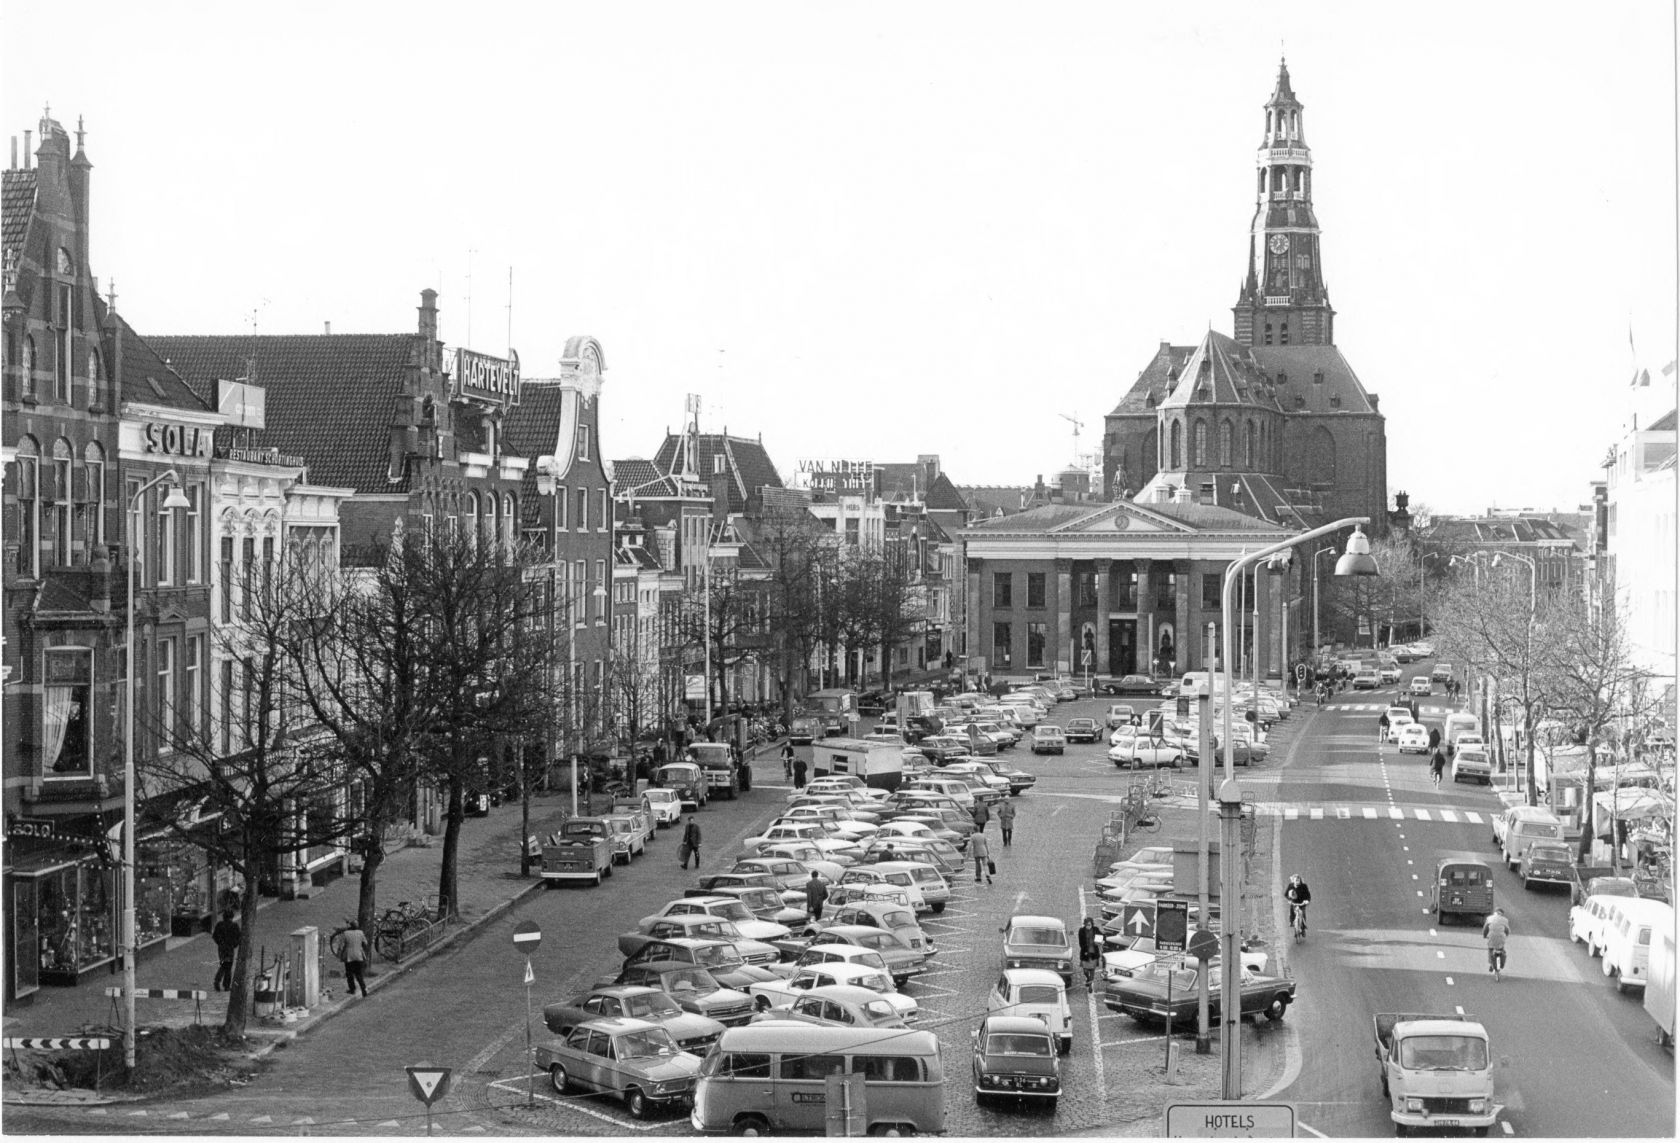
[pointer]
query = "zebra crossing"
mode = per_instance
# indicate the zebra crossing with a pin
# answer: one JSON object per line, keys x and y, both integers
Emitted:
{"x": 1378, "y": 707}
{"x": 1291, "y": 813}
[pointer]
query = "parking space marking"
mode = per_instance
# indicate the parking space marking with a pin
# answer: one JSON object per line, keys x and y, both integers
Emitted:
{"x": 519, "y": 1085}
{"x": 1369, "y": 812}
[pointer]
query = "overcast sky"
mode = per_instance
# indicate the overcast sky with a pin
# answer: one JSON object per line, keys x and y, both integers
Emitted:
{"x": 877, "y": 230}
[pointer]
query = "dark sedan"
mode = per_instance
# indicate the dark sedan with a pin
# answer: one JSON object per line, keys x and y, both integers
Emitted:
{"x": 1130, "y": 685}
{"x": 1144, "y": 996}
{"x": 635, "y": 1060}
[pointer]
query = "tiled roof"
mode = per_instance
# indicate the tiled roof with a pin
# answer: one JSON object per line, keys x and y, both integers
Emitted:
{"x": 532, "y": 429}
{"x": 1042, "y": 518}
{"x": 636, "y": 477}
{"x": 634, "y": 555}
{"x": 1260, "y": 495}
{"x": 1338, "y": 392}
{"x": 994, "y": 499}
{"x": 944, "y": 496}
{"x": 1497, "y": 530}
{"x": 1221, "y": 372}
{"x": 1156, "y": 378}
{"x": 1664, "y": 423}
{"x": 1213, "y": 517}
{"x": 746, "y": 461}
{"x": 17, "y": 205}
{"x": 329, "y": 396}
{"x": 147, "y": 378}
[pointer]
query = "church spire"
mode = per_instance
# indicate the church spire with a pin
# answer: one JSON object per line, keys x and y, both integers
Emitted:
{"x": 1282, "y": 300}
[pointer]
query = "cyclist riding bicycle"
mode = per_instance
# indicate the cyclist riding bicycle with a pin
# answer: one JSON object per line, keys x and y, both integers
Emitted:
{"x": 1299, "y": 897}
{"x": 1495, "y": 930}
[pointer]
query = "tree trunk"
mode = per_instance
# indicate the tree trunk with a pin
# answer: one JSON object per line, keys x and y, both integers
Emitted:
{"x": 447, "y": 879}
{"x": 239, "y": 996}
{"x": 366, "y": 901}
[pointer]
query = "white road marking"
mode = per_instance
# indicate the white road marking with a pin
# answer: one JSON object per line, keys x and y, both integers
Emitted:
{"x": 1422, "y": 814}
{"x": 1458, "y": 1008}
{"x": 1316, "y": 813}
{"x": 518, "y": 1085}
{"x": 1292, "y": 813}
{"x": 1414, "y": 876}
{"x": 1369, "y": 812}
{"x": 1447, "y": 815}
{"x": 1505, "y": 1126}
{"x": 1096, "y": 1014}
{"x": 1343, "y": 813}
{"x": 1473, "y": 817}
{"x": 1440, "y": 955}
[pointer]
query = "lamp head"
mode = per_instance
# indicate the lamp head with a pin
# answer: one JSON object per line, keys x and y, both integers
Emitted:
{"x": 1356, "y": 560}
{"x": 176, "y": 498}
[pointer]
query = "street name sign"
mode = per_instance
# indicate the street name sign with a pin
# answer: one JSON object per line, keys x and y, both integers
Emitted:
{"x": 1138, "y": 920}
{"x": 1172, "y": 922}
{"x": 1233, "y": 1120}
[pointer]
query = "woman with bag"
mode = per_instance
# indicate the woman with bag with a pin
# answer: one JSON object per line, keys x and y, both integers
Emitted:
{"x": 690, "y": 843}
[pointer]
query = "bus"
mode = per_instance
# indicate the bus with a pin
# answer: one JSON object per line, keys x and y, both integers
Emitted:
{"x": 772, "y": 1077}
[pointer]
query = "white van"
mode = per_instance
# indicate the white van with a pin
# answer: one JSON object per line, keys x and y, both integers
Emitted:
{"x": 1628, "y": 933}
{"x": 1025, "y": 713}
{"x": 770, "y": 1078}
{"x": 1522, "y": 827}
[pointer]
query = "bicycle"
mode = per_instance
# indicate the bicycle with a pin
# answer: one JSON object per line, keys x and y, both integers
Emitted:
{"x": 1298, "y": 921}
{"x": 1496, "y": 962}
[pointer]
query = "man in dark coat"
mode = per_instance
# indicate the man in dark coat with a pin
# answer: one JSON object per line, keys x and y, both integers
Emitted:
{"x": 226, "y": 936}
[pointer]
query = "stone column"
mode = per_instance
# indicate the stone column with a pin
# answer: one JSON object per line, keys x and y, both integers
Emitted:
{"x": 1063, "y": 657}
{"x": 1100, "y": 666}
{"x": 1144, "y": 639}
{"x": 1192, "y": 653}
{"x": 1182, "y": 624}
{"x": 975, "y": 621}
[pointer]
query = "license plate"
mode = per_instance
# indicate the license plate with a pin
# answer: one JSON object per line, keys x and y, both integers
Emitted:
{"x": 1447, "y": 1122}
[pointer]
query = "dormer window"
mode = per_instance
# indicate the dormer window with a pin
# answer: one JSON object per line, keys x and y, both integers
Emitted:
{"x": 719, "y": 465}
{"x": 1336, "y": 399}
{"x": 1318, "y": 378}
{"x": 1283, "y": 379}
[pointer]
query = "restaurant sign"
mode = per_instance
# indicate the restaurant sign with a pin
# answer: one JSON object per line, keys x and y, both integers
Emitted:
{"x": 480, "y": 377}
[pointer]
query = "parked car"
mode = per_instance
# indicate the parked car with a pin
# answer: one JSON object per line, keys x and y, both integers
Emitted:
{"x": 1367, "y": 679}
{"x": 902, "y": 961}
{"x": 633, "y": 1060}
{"x": 1546, "y": 863}
{"x": 1472, "y": 764}
{"x": 1082, "y": 730}
{"x": 1034, "y": 941}
{"x": 1019, "y": 780}
{"x": 1420, "y": 685}
{"x": 780, "y": 993}
{"x": 829, "y": 953}
{"x": 1048, "y": 739}
{"x": 1129, "y": 685}
{"x": 664, "y": 806}
{"x": 691, "y": 986}
{"x": 692, "y": 1032}
{"x": 1015, "y": 1057}
{"x": 1143, "y": 996}
{"x": 724, "y": 908}
{"x": 890, "y": 874}
{"x": 838, "y": 1005}
{"x": 942, "y": 748}
{"x": 897, "y": 919}
{"x": 1139, "y": 749}
{"x": 1121, "y": 714}
{"x": 723, "y": 959}
{"x": 1037, "y": 993}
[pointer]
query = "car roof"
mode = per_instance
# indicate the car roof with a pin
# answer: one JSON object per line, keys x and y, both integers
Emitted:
{"x": 855, "y": 993}
{"x": 1037, "y": 921}
{"x": 1017, "y": 1025}
{"x": 617, "y": 1025}
{"x": 621, "y": 990}
{"x": 840, "y": 969}
{"x": 1032, "y": 976}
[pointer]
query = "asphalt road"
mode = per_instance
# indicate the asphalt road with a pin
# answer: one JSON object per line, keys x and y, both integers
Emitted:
{"x": 1574, "y": 1058}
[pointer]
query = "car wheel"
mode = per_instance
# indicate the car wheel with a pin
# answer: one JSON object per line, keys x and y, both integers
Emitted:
{"x": 891, "y": 1130}
{"x": 637, "y": 1102}
{"x": 939, "y": 906}
{"x": 750, "y": 1125}
{"x": 1607, "y": 968}
{"x": 558, "y": 1079}
{"x": 1276, "y": 1009}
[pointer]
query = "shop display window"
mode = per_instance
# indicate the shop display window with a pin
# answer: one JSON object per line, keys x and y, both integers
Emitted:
{"x": 151, "y": 908}
{"x": 78, "y": 927}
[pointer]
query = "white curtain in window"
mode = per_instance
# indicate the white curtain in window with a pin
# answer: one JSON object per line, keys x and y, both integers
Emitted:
{"x": 60, "y": 705}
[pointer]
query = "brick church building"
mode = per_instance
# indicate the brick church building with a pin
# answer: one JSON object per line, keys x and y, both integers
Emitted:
{"x": 1272, "y": 421}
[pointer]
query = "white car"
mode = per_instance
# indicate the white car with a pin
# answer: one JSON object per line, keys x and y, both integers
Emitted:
{"x": 664, "y": 806}
{"x": 1037, "y": 993}
{"x": 1472, "y": 763}
{"x": 1587, "y": 921}
{"x": 1141, "y": 750}
{"x": 772, "y": 994}
{"x": 1420, "y": 685}
{"x": 1412, "y": 738}
{"x": 723, "y": 908}
{"x": 979, "y": 770}
{"x": 1398, "y": 716}
{"x": 873, "y": 875}
{"x": 830, "y": 818}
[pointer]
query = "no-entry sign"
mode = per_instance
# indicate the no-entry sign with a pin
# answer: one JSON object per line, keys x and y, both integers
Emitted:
{"x": 527, "y": 937}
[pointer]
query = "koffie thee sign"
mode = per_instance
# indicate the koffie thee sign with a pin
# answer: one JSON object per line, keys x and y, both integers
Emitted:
{"x": 480, "y": 377}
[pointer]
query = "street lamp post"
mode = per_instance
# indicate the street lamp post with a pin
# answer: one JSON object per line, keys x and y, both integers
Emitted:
{"x": 175, "y": 499}
{"x": 1355, "y": 561}
{"x": 1528, "y": 653}
{"x": 1316, "y": 554}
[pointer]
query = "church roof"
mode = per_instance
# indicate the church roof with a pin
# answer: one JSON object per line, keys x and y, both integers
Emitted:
{"x": 1339, "y": 390}
{"x": 1222, "y": 372}
{"x": 329, "y": 397}
{"x": 1283, "y": 95}
{"x": 1156, "y": 378}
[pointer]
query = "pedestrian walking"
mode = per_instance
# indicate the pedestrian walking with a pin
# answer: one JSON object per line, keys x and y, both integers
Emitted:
{"x": 1437, "y": 767}
{"x": 1434, "y": 739}
{"x": 799, "y": 773}
{"x": 226, "y": 936}
{"x": 351, "y": 946}
{"x": 1382, "y": 727}
{"x": 981, "y": 851}
{"x": 690, "y": 843}
{"x": 981, "y": 815}
{"x": 787, "y": 761}
{"x": 1006, "y": 820}
{"x": 1090, "y": 948}
{"x": 816, "y": 895}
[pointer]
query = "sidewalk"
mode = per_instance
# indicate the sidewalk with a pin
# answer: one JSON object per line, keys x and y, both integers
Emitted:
{"x": 489, "y": 884}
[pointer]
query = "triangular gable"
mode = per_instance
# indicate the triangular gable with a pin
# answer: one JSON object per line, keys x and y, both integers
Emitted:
{"x": 1123, "y": 517}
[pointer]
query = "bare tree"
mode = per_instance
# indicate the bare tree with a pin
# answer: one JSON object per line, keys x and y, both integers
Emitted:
{"x": 724, "y": 619}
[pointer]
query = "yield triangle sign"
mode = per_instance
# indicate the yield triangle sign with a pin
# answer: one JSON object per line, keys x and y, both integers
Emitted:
{"x": 529, "y": 975}
{"x": 428, "y": 1084}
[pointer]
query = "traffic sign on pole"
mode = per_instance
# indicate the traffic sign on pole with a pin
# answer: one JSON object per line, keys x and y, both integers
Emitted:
{"x": 527, "y": 937}
{"x": 1172, "y": 920}
{"x": 1138, "y": 920}
{"x": 1203, "y": 945}
{"x": 428, "y": 1084}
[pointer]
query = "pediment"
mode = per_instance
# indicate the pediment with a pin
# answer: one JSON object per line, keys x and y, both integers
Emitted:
{"x": 1123, "y": 517}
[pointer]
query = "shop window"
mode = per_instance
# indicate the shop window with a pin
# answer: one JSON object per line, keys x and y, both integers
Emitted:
{"x": 78, "y": 928}
{"x": 1036, "y": 640}
{"x": 66, "y": 725}
{"x": 1035, "y": 589}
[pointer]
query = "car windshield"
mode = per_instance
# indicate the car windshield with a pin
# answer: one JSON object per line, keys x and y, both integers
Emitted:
{"x": 661, "y": 795}
{"x": 733, "y": 911}
{"x": 1443, "y": 1053}
{"x": 1017, "y": 1044}
{"x": 1038, "y": 994}
{"x": 1029, "y": 935}
{"x": 717, "y": 956}
{"x": 898, "y": 919}
{"x": 689, "y": 980}
{"x": 649, "y": 1042}
{"x": 652, "y": 1006}
{"x": 875, "y": 982}
{"x": 878, "y": 1010}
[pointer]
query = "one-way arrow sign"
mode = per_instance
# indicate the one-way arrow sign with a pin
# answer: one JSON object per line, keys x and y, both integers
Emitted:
{"x": 428, "y": 1084}
{"x": 1138, "y": 920}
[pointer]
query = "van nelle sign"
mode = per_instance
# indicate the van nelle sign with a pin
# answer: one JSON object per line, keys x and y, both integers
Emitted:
{"x": 836, "y": 476}
{"x": 478, "y": 376}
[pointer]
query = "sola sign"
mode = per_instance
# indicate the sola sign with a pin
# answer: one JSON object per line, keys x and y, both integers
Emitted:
{"x": 483, "y": 377}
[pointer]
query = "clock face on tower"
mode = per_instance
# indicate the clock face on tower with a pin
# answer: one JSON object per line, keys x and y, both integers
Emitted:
{"x": 1278, "y": 244}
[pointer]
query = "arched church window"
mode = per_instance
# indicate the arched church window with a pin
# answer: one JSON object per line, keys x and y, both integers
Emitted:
{"x": 1248, "y": 446}
{"x": 1200, "y": 455}
{"x": 1177, "y": 462}
{"x": 1225, "y": 444}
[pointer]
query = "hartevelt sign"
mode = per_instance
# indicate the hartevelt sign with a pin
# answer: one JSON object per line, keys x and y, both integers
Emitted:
{"x": 480, "y": 377}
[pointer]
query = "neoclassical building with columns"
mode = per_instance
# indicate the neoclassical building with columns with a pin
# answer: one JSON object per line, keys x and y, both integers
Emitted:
{"x": 1112, "y": 589}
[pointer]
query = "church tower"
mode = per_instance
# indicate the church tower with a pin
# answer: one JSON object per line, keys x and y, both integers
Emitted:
{"x": 1283, "y": 300}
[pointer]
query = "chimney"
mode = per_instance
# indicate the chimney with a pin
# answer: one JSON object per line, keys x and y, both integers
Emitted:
{"x": 27, "y": 152}
{"x": 1183, "y": 495}
{"x": 14, "y": 153}
{"x": 328, "y": 330}
{"x": 429, "y": 328}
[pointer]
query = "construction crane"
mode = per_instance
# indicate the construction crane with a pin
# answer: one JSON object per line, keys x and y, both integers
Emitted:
{"x": 1077, "y": 425}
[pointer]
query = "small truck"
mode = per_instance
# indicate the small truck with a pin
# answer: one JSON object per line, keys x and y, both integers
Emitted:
{"x": 1437, "y": 1071}
{"x": 580, "y": 851}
